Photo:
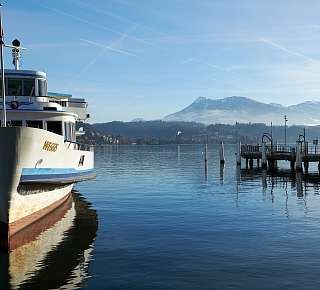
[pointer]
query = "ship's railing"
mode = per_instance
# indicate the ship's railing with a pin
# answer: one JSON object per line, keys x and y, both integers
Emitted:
{"x": 78, "y": 146}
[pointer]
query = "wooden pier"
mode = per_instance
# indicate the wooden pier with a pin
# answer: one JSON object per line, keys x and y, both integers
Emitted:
{"x": 300, "y": 155}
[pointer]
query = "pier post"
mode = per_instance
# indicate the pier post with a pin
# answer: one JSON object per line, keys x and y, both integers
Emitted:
{"x": 251, "y": 163}
{"x": 299, "y": 184}
{"x": 298, "y": 156}
{"x": 206, "y": 160}
{"x": 264, "y": 179}
{"x": 221, "y": 152}
{"x": 258, "y": 162}
{"x": 264, "y": 156}
{"x": 247, "y": 163}
{"x": 275, "y": 165}
{"x": 271, "y": 164}
{"x": 306, "y": 167}
{"x": 239, "y": 154}
{"x": 221, "y": 173}
{"x": 292, "y": 165}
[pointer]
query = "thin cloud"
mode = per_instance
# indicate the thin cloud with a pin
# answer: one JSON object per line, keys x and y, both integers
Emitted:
{"x": 108, "y": 47}
{"x": 288, "y": 51}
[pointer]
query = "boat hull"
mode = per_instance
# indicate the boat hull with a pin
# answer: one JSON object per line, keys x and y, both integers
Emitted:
{"x": 37, "y": 172}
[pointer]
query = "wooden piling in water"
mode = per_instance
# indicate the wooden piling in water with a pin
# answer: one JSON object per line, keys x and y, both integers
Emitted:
{"x": 292, "y": 164}
{"x": 221, "y": 153}
{"x": 264, "y": 156}
{"x": 239, "y": 154}
{"x": 206, "y": 160}
{"x": 251, "y": 163}
{"x": 298, "y": 157}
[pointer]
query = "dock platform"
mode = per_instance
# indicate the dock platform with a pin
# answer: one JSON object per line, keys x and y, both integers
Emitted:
{"x": 299, "y": 155}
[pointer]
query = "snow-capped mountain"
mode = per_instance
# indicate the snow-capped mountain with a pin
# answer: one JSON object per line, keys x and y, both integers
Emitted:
{"x": 241, "y": 109}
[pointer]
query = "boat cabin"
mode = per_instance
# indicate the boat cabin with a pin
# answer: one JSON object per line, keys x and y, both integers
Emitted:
{"x": 29, "y": 104}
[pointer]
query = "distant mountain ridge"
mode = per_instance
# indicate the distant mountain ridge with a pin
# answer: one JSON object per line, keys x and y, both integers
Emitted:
{"x": 243, "y": 110}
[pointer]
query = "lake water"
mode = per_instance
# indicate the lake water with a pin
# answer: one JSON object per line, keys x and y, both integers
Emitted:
{"x": 156, "y": 222}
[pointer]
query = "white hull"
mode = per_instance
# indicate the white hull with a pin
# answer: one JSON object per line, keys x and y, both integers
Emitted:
{"x": 37, "y": 172}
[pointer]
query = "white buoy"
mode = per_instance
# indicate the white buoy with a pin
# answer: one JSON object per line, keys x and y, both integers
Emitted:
{"x": 239, "y": 154}
{"x": 264, "y": 155}
{"x": 221, "y": 152}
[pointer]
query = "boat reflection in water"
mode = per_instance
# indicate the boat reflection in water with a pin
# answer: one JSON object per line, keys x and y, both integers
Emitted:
{"x": 54, "y": 252}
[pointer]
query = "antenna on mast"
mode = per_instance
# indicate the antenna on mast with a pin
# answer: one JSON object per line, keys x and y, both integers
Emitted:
{"x": 16, "y": 49}
{"x": 4, "y": 109}
{"x": 16, "y": 53}
{"x": 16, "y": 61}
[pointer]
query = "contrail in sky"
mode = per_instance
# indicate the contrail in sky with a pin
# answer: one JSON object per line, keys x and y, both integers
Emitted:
{"x": 113, "y": 15}
{"x": 288, "y": 51}
{"x": 86, "y": 67}
{"x": 108, "y": 47}
{"x": 69, "y": 15}
{"x": 200, "y": 61}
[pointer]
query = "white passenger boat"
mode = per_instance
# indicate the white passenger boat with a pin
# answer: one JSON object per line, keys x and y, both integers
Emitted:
{"x": 40, "y": 157}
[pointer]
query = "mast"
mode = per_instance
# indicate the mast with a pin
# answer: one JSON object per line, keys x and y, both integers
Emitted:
{"x": 4, "y": 109}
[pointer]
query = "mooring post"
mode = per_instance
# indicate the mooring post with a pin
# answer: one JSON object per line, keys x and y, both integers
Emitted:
{"x": 292, "y": 165}
{"x": 264, "y": 156}
{"x": 275, "y": 165}
{"x": 306, "y": 167}
{"x": 239, "y": 154}
{"x": 299, "y": 183}
{"x": 221, "y": 152}
{"x": 206, "y": 161}
{"x": 264, "y": 179}
{"x": 298, "y": 156}
{"x": 271, "y": 164}
{"x": 221, "y": 172}
{"x": 251, "y": 163}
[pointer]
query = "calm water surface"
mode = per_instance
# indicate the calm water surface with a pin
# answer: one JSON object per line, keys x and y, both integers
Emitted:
{"x": 163, "y": 225}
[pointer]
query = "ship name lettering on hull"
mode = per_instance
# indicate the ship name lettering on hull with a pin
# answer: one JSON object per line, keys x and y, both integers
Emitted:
{"x": 50, "y": 146}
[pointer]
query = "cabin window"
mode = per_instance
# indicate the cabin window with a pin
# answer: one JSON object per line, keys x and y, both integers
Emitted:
{"x": 69, "y": 131}
{"x": 14, "y": 123}
{"x": 35, "y": 124}
{"x": 28, "y": 87}
{"x": 55, "y": 127}
{"x": 14, "y": 87}
{"x": 42, "y": 88}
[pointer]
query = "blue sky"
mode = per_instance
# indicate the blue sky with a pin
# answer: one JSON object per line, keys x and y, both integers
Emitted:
{"x": 146, "y": 59}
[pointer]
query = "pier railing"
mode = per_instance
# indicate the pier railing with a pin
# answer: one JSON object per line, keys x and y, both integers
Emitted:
{"x": 299, "y": 154}
{"x": 275, "y": 148}
{"x": 305, "y": 148}
{"x": 251, "y": 148}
